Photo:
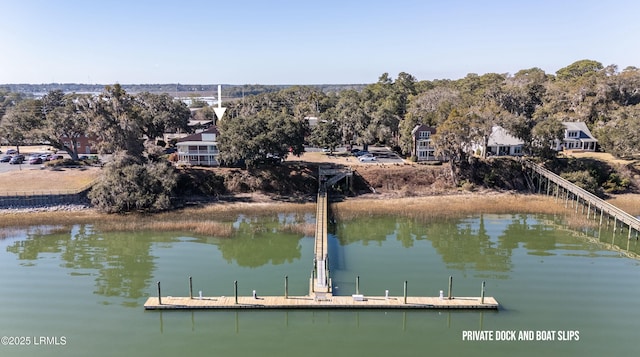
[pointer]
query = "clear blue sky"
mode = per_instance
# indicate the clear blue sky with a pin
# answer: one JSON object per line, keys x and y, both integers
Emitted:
{"x": 305, "y": 42}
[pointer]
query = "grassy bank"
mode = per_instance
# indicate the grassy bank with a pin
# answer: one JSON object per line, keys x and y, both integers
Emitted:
{"x": 452, "y": 206}
{"x": 215, "y": 219}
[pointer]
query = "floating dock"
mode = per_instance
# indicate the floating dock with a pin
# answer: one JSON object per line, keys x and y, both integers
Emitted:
{"x": 320, "y": 291}
{"x": 327, "y": 302}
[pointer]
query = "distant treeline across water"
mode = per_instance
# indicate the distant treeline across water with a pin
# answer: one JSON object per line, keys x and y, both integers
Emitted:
{"x": 174, "y": 89}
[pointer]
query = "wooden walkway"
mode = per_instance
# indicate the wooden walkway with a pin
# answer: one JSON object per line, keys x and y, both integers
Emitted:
{"x": 308, "y": 302}
{"x": 320, "y": 292}
{"x": 321, "y": 280}
{"x": 573, "y": 195}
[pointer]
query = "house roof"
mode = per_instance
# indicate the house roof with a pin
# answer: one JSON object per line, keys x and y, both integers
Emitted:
{"x": 579, "y": 126}
{"x": 501, "y": 137}
{"x": 199, "y": 122}
{"x": 198, "y": 137}
{"x": 422, "y": 127}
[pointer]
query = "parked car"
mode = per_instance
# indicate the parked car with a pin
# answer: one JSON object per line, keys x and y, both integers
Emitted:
{"x": 18, "y": 159}
{"x": 35, "y": 160}
{"x": 12, "y": 152}
{"x": 361, "y": 153}
{"x": 55, "y": 157}
{"x": 368, "y": 157}
{"x": 5, "y": 158}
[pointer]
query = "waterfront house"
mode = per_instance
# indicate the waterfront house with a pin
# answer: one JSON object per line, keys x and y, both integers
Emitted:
{"x": 423, "y": 148}
{"x": 199, "y": 149}
{"x": 576, "y": 137}
{"x": 500, "y": 143}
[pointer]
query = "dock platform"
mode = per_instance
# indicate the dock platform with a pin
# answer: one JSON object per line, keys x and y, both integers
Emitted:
{"x": 320, "y": 286}
{"x": 314, "y": 302}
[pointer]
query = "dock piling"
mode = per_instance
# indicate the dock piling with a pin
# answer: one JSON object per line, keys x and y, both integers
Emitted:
{"x": 235, "y": 288}
{"x": 159, "y": 295}
{"x": 286, "y": 287}
{"x": 450, "y": 287}
{"x": 482, "y": 294}
{"x": 190, "y": 288}
{"x": 405, "y": 291}
{"x": 358, "y": 284}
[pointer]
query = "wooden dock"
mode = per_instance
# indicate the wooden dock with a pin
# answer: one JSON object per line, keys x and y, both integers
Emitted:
{"x": 576, "y": 197}
{"x": 329, "y": 302}
{"x": 321, "y": 282}
{"x": 320, "y": 293}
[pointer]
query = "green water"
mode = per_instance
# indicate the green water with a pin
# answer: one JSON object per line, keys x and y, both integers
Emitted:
{"x": 82, "y": 290}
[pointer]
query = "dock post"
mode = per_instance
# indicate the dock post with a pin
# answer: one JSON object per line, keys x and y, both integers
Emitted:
{"x": 190, "y": 288}
{"x": 601, "y": 210}
{"x": 405, "y": 291}
{"x": 313, "y": 290}
{"x": 159, "y": 295}
{"x": 235, "y": 290}
{"x": 286, "y": 287}
{"x": 450, "y": 286}
{"x": 358, "y": 284}
{"x": 482, "y": 294}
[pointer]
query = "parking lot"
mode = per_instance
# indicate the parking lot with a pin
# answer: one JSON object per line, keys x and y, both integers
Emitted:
{"x": 342, "y": 156}
{"x": 26, "y": 151}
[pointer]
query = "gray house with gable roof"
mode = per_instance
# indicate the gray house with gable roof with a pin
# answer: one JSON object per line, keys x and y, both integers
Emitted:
{"x": 576, "y": 137}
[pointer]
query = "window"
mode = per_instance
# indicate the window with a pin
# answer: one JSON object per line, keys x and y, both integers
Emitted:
{"x": 572, "y": 134}
{"x": 424, "y": 134}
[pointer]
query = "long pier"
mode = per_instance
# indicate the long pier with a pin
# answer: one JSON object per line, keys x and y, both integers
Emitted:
{"x": 574, "y": 196}
{"x": 321, "y": 282}
{"x": 320, "y": 292}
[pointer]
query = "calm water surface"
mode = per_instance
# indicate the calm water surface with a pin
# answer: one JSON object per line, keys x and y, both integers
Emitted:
{"x": 88, "y": 287}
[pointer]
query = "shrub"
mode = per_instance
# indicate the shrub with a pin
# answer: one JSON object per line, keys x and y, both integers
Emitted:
{"x": 127, "y": 185}
{"x": 582, "y": 179}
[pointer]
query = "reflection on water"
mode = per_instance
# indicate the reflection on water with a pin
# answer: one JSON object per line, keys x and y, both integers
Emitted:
{"x": 89, "y": 286}
{"x": 122, "y": 264}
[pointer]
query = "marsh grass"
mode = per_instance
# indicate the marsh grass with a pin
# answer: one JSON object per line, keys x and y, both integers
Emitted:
{"x": 433, "y": 207}
{"x": 213, "y": 220}
{"x": 629, "y": 203}
{"x": 217, "y": 219}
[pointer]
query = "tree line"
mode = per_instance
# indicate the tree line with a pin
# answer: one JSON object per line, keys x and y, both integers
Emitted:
{"x": 137, "y": 178}
{"x": 266, "y": 127}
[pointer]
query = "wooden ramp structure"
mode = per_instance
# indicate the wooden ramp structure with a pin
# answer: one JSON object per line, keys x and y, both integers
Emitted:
{"x": 320, "y": 292}
{"x": 321, "y": 282}
{"x": 547, "y": 182}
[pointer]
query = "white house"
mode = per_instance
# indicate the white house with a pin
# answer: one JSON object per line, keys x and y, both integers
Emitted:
{"x": 199, "y": 149}
{"x": 576, "y": 137}
{"x": 501, "y": 143}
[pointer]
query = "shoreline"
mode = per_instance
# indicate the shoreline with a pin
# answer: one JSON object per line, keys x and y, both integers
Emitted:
{"x": 211, "y": 217}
